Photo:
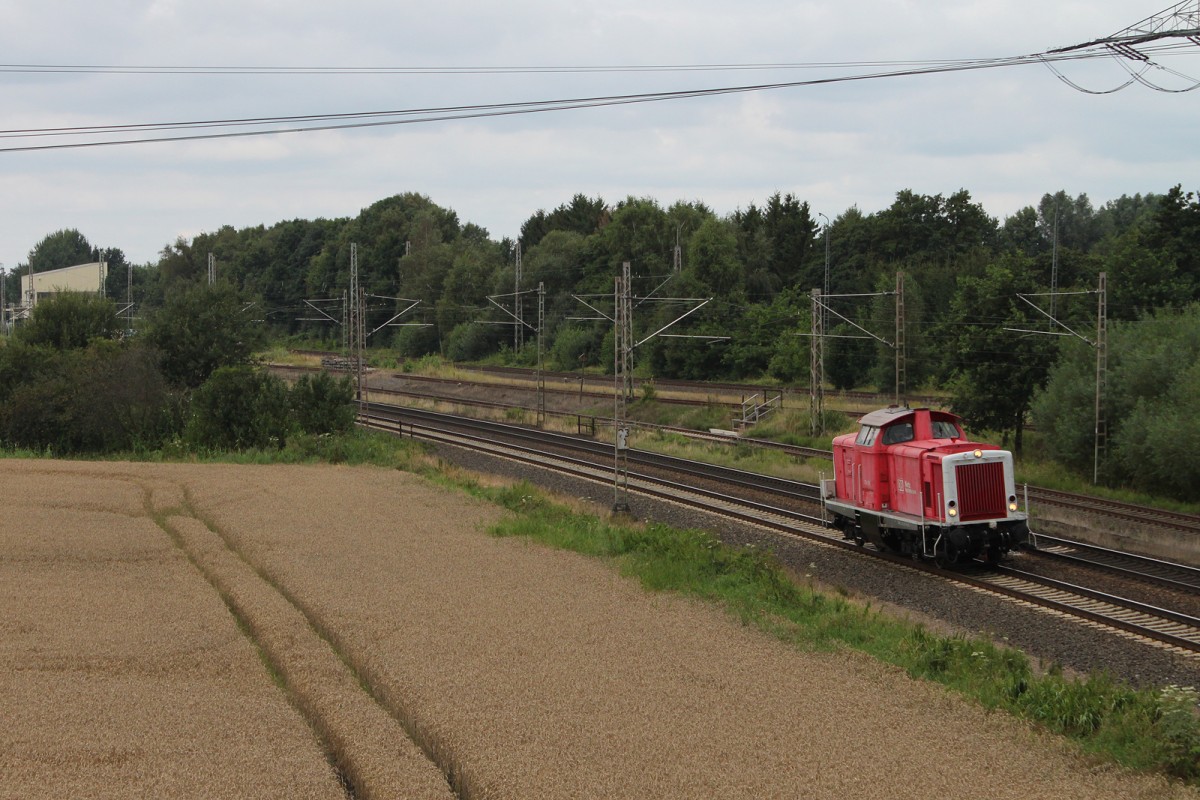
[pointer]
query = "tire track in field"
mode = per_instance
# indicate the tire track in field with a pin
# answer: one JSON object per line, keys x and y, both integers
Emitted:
{"x": 367, "y": 746}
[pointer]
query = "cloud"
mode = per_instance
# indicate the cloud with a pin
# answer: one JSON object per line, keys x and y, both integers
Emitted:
{"x": 1006, "y": 136}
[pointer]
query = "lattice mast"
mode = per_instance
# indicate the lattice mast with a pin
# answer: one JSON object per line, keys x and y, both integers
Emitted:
{"x": 356, "y": 326}
{"x": 816, "y": 365}
{"x": 1101, "y": 374}
{"x": 901, "y": 345}
{"x": 519, "y": 328}
{"x": 541, "y": 372}
{"x": 622, "y": 388}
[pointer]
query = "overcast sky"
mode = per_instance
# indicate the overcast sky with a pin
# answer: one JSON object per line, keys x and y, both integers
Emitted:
{"x": 1006, "y": 135}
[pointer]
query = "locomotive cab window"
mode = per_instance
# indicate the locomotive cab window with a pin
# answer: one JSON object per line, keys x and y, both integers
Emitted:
{"x": 945, "y": 429}
{"x": 866, "y": 435}
{"x": 900, "y": 432}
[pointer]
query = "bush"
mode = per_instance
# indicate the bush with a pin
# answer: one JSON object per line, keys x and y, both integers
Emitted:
{"x": 323, "y": 404}
{"x": 574, "y": 348}
{"x": 70, "y": 320}
{"x": 106, "y": 398}
{"x": 415, "y": 341}
{"x": 239, "y": 408}
{"x": 470, "y": 341}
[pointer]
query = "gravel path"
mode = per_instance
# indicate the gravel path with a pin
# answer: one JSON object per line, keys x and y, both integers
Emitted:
{"x": 528, "y": 673}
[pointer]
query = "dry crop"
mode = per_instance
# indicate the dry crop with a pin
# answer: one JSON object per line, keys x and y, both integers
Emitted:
{"x": 121, "y": 672}
{"x": 521, "y": 671}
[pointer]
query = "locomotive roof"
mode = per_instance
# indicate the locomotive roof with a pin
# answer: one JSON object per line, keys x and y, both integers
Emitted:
{"x": 886, "y": 416}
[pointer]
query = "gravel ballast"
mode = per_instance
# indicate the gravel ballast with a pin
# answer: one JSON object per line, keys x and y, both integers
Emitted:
{"x": 525, "y": 672}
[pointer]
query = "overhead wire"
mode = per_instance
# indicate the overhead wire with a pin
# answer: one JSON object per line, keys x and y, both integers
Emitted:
{"x": 264, "y": 126}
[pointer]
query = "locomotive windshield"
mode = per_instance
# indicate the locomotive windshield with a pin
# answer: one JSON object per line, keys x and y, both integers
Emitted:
{"x": 866, "y": 435}
{"x": 900, "y": 432}
{"x": 945, "y": 429}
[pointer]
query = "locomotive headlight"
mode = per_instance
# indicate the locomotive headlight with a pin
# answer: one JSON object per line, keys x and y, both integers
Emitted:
{"x": 1012, "y": 502}
{"x": 951, "y": 509}
{"x": 978, "y": 454}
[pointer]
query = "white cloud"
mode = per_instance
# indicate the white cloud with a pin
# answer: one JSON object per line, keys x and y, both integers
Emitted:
{"x": 1006, "y": 136}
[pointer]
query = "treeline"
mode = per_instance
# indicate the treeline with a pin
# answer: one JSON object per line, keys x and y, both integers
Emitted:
{"x": 963, "y": 273}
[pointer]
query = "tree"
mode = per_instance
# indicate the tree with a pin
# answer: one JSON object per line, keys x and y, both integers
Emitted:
{"x": 790, "y": 230}
{"x": 64, "y": 248}
{"x": 116, "y": 278}
{"x": 1074, "y": 218}
{"x": 1153, "y": 404}
{"x": 181, "y": 262}
{"x": 1140, "y": 279}
{"x": 201, "y": 327}
{"x": 712, "y": 258}
{"x": 1022, "y": 234}
{"x": 1174, "y": 231}
{"x": 640, "y": 233}
{"x": 997, "y": 370}
{"x": 119, "y": 400}
{"x": 583, "y": 215}
{"x": 70, "y": 320}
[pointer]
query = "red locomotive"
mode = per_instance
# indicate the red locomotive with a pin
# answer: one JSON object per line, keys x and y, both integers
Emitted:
{"x": 911, "y": 482}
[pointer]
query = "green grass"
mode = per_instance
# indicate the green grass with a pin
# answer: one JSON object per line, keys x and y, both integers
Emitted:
{"x": 356, "y": 447}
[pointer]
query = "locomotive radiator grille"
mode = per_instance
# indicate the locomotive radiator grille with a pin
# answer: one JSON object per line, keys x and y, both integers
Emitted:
{"x": 980, "y": 490}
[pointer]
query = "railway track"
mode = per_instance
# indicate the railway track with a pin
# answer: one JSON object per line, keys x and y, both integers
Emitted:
{"x": 1129, "y": 512}
{"x": 1151, "y": 570}
{"x": 1113, "y": 508}
{"x": 691, "y": 483}
{"x": 1083, "y": 503}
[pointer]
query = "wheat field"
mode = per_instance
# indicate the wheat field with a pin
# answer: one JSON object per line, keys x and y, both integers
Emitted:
{"x": 226, "y": 631}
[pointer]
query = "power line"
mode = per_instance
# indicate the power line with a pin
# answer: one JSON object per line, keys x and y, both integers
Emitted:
{"x": 125, "y": 69}
{"x": 368, "y": 119}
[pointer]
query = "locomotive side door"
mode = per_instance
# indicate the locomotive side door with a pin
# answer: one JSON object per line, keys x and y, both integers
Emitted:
{"x": 853, "y": 485}
{"x": 930, "y": 486}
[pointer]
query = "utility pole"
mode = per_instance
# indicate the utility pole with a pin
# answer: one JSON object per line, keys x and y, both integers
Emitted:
{"x": 622, "y": 388}
{"x": 212, "y": 269}
{"x": 1101, "y": 346}
{"x": 357, "y": 327}
{"x": 3, "y": 302}
{"x": 825, "y": 287}
{"x": 129, "y": 299}
{"x": 519, "y": 328}
{"x": 818, "y": 331}
{"x": 1101, "y": 375}
{"x": 901, "y": 346}
{"x": 816, "y": 366}
{"x": 623, "y": 347}
{"x": 541, "y": 373}
{"x": 678, "y": 250}
{"x": 1054, "y": 262}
